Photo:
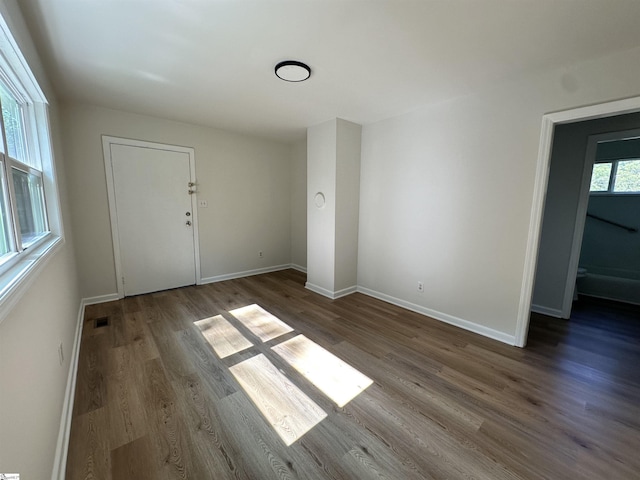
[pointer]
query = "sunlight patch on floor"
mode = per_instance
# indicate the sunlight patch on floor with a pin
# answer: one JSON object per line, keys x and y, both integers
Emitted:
{"x": 261, "y": 323}
{"x": 335, "y": 378}
{"x": 290, "y": 412}
{"x": 222, "y": 336}
{"x": 285, "y": 407}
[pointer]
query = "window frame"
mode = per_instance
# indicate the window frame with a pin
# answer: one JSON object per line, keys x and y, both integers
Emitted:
{"x": 23, "y": 167}
{"x": 612, "y": 177}
{"x": 20, "y": 268}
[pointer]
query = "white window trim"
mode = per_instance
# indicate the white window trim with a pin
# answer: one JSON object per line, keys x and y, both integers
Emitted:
{"x": 19, "y": 273}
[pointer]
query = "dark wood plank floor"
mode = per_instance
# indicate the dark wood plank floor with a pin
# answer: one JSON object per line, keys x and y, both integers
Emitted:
{"x": 154, "y": 401}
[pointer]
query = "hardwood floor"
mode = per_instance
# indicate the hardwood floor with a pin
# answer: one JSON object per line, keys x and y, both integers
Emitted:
{"x": 154, "y": 400}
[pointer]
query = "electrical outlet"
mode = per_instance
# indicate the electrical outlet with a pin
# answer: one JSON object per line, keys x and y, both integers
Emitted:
{"x": 260, "y": 254}
{"x": 60, "y": 353}
{"x": 420, "y": 287}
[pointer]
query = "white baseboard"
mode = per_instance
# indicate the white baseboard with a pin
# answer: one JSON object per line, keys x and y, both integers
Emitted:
{"x": 328, "y": 293}
{"x": 300, "y": 268}
{"x": 247, "y": 273}
{"x": 219, "y": 278}
{"x": 551, "y": 312}
{"x": 443, "y": 317}
{"x": 319, "y": 290}
{"x": 345, "y": 291}
{"x": 62, "y": 446}
{"x": 100, "y": 299}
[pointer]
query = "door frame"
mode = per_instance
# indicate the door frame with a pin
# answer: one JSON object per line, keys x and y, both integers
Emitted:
{"x": 549, "y": 121}
{"x": 107, "y": 142}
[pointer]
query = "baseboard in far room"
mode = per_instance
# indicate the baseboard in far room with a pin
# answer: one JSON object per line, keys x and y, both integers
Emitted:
{"x": 608, "y": 287}
{"x": 328, "y": 293}
{"x": 62, "y": 446}
{"x": 609, "y": 299}
{"x": 443, "y": 317}
{"x": 550, "y": 312}
{"x": 246, "y": 273}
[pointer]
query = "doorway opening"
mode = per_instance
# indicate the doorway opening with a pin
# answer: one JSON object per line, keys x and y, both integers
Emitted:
{"x": 550, "y": 123}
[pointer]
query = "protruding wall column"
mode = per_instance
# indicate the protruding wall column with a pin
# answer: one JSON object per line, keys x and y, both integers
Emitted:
{"x": 333, "y": 200}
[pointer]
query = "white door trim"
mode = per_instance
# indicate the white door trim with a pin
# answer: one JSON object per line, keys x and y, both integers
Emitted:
{"x": 549, "y": 121}
{"x": 107, "y": 142}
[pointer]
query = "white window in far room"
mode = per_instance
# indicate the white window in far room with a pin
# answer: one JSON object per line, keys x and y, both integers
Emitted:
{"x": 616, "y": 177}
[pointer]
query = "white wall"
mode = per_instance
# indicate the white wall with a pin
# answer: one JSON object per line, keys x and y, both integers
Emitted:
{"x": 321, "y": 224}
{"x": 348, "y": 142}
{"x": 246, "y": 182}
{"x": 446, "y": 193}
{"x": 333, "y": 166}
{"x": 32, "y": 383}
{"x": 299, "y": 204}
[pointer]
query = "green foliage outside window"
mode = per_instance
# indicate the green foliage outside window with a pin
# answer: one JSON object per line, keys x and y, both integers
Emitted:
{"x": 627, "y": 176}
{"x": 618, "y": 176}
{"x": 600, "y": 177}
{"x": 12, "y": 116}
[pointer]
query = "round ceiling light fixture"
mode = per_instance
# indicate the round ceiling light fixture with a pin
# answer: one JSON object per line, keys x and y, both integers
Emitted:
{"x": 292, "y": 71}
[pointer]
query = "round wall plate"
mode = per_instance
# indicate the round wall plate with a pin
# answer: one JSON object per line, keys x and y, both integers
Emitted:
{"x": 319, "y": 200}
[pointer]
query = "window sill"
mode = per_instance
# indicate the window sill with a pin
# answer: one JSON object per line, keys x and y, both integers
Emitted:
{"x": 15, "y": 281}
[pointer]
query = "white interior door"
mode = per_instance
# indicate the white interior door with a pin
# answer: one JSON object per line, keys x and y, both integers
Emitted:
{"x": 154, "y": 216}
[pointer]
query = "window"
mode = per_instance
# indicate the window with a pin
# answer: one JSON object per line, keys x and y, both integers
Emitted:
{"x": 30, "y": 221}
{"x": 616, "y": 176}
{"x": 24, "y": 216}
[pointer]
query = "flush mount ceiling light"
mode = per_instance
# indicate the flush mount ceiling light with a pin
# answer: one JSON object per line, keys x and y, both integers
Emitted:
{"x": 292, "y": 71}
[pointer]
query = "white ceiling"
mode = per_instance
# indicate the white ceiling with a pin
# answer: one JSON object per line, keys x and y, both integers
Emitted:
{"x": 210, "y": 62}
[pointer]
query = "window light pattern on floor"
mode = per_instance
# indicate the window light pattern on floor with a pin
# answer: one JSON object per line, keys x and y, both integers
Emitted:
{"x": 261, "y": 323}
{"x": 223, "y": 337}
{"x": 289, "y": 411}
{"x": 335, "y": 378}
{"x": 285, "y": 407}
